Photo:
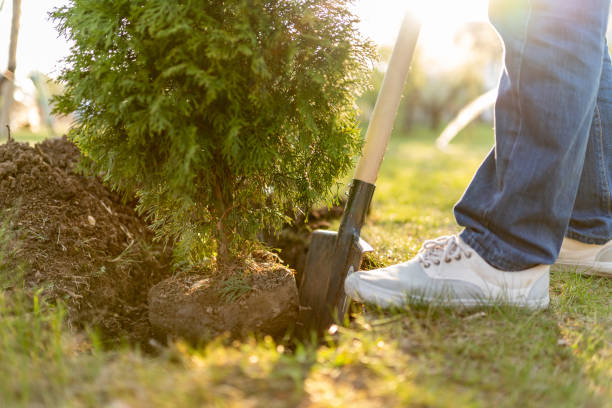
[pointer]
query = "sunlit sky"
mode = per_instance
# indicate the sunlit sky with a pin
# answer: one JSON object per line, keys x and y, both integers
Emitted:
{"x": 40, "y": 48}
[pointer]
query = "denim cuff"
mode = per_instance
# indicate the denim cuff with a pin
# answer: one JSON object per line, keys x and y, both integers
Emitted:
{"x": 584, "y": 239}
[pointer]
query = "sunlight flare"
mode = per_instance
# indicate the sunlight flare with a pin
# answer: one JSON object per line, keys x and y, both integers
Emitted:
{"x": 381, "y": 20}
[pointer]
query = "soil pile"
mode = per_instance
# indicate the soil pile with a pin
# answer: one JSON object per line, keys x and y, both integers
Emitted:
{"x": 79, "y": 240}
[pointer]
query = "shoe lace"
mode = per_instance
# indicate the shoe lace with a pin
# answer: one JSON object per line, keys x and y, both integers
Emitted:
{"x": 441, "y": 249}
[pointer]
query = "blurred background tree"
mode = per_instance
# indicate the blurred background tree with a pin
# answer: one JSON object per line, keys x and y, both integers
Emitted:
{"x": 7, "y": 84}
{"x": 442, "y": 80}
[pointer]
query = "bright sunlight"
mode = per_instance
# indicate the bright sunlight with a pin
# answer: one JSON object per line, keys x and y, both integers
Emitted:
{"x": 441, "y": 18}
{"x": 381, "y": 20}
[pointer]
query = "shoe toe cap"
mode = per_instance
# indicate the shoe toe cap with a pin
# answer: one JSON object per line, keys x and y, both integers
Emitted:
{"x": 364, "y": 287}
{"x": 407, "y": 282}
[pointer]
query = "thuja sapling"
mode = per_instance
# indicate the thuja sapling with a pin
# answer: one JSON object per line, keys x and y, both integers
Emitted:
{"x": 220, "y": 116}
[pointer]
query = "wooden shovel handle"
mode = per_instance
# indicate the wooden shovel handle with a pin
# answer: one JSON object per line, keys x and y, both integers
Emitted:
{"x": 387, "y": 103}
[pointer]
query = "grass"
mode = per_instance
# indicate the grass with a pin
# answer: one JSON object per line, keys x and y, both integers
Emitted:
{"x": 27, "y": 136}
{"x": 418, "y": 356}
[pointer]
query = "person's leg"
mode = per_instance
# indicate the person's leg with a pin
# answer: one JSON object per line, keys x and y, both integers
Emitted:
{"x": 517, "y": 209}
{"x": 518, "y": 206}
{"x": 587, "y": 247}
{"x": 591, "y": 219}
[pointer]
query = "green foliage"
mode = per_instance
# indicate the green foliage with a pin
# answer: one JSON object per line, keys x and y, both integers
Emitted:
{"x": 8, "y": 250}
{"x": 30, "y": 328}
{"x": 219, "y": 115}
{"x": 234, "y": 287}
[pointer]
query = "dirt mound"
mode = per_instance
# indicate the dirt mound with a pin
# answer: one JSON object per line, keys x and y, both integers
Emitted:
{"x": 80, "y": 241}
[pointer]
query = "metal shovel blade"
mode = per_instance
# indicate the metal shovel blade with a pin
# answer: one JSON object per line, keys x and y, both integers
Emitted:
{"x": 322, "y": 298}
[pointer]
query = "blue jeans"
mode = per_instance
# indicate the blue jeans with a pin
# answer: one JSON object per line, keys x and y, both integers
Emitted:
{"x": 550, "y": 172}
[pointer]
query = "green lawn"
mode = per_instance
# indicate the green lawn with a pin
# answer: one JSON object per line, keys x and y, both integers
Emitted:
{"x": 419, "y": 356}
{"x": 27, "y": 136}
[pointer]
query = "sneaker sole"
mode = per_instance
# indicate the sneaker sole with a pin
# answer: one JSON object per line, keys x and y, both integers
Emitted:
{"x": 388, "y": 298}
{"x": 587, "y": 268}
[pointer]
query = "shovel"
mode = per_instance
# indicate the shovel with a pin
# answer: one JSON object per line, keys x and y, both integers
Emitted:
{"x": 334, "y": 255}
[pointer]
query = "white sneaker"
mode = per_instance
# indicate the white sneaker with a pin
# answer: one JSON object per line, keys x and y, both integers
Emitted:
{"x": 448, "y": 272}
{"x": 584, "y": 258}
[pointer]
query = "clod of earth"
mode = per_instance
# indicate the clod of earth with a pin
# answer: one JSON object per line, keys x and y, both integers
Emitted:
{"x": 263, "y": 299}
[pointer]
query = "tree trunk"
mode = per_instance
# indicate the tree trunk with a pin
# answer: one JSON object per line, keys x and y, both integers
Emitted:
{"x": 223, "y": 205}
{"x": 435, "y": 117}
{"x": 8, "y": 87}
{"x": 223, "y": 250}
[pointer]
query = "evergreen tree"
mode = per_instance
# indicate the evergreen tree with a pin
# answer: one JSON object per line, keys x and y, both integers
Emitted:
{"x": 220, "y": 116}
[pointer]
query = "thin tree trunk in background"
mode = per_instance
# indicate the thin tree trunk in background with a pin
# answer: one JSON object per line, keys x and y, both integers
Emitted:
{"x": 9, "y": 86}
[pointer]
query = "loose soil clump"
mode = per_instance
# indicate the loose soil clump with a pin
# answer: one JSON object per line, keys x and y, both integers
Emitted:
{"x": 80, "y": 241}
{"x": 259, "y": 295}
